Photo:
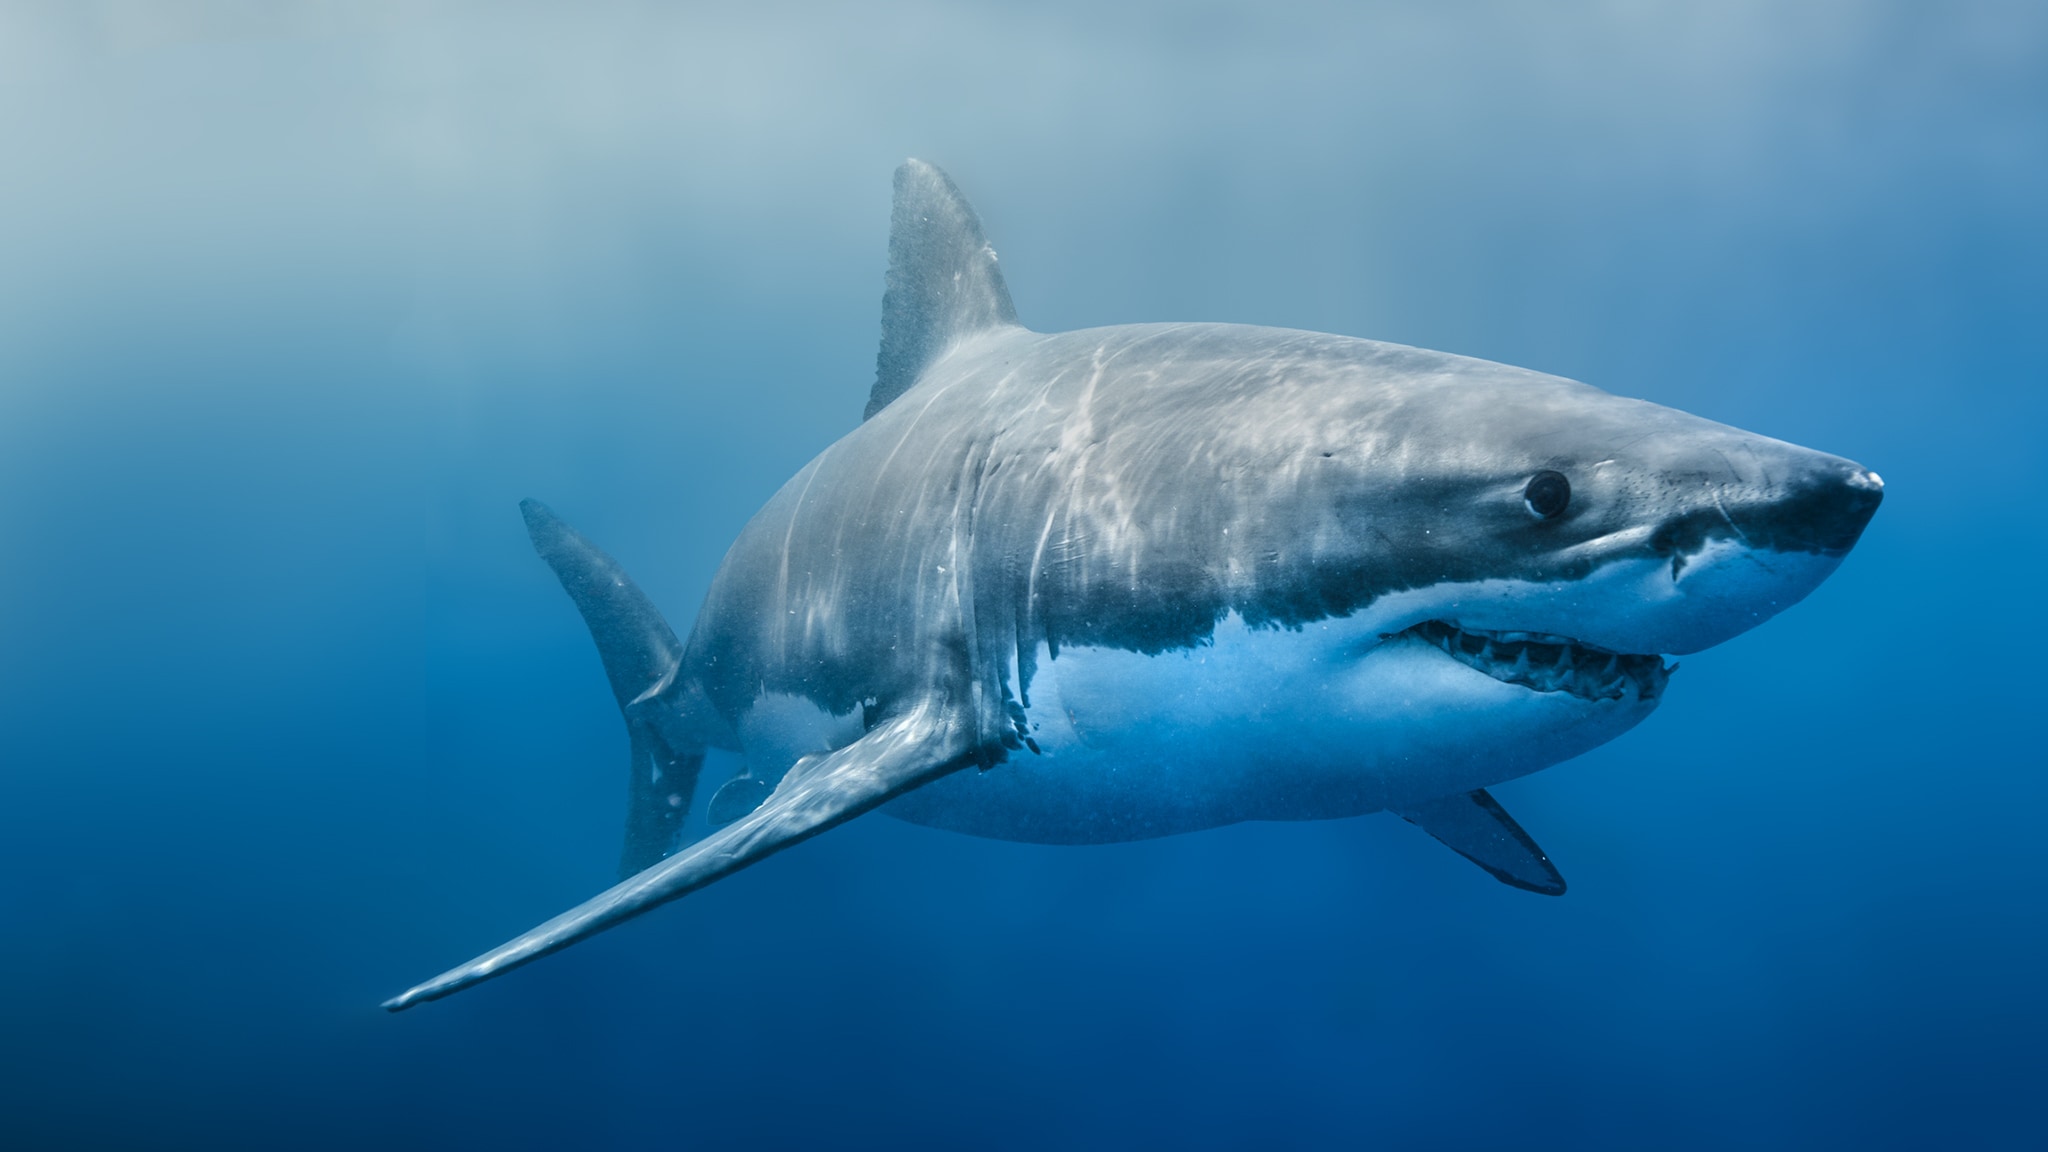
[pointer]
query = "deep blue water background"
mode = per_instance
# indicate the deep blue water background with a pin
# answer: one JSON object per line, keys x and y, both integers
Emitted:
{"x": 296, "y": 303}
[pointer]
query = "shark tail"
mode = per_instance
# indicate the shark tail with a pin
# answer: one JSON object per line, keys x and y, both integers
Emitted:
{"x": 668, "y": 720}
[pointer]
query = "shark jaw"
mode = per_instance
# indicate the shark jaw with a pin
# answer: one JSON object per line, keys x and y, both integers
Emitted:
{"x": 1542, "y": 662}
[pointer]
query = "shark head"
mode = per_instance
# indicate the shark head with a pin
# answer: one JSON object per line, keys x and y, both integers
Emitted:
{"x": 1529, "y": 549}
{"x": 1529, "y": 503}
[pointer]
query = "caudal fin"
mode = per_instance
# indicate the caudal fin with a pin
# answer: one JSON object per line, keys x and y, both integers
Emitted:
{"x": 665, "y": 718}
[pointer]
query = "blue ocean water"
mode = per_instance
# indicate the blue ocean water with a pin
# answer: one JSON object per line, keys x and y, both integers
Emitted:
{"x": 298, "y": 301}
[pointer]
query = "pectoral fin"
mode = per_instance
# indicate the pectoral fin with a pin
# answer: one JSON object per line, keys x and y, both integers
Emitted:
{"x": 1476, "y": 827}
{"x": 916, "y": 746}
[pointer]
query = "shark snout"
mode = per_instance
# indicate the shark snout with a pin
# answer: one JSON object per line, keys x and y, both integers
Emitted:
{"x": 1816, "y": 506}
{"x": 1745, "y": 547}
{"x": 1823, "y": 510}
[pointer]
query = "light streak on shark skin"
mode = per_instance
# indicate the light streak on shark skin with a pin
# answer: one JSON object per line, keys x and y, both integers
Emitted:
{"x": 1135, "y": 581}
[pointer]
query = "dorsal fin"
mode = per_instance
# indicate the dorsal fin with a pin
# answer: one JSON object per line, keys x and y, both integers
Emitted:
{"x": 943, "y": 281}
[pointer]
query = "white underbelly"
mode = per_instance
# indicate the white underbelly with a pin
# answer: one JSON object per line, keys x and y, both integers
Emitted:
{"x": 1260, "y": 724}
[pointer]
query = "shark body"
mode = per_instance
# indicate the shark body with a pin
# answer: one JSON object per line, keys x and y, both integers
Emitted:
{"x": 1135, "y": 581}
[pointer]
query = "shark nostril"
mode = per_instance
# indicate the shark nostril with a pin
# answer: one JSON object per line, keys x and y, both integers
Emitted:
{"x": 1682, "y": 535}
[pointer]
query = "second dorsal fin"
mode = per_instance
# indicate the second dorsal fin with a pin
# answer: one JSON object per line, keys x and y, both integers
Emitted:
{"x": 943, "y": 282}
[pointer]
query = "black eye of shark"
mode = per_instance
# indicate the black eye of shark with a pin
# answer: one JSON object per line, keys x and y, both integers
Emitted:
{"x": 1547, "y": 495}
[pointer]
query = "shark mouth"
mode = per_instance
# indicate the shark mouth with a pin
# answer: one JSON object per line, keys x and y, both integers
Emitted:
{"x": 1545, "y": 663}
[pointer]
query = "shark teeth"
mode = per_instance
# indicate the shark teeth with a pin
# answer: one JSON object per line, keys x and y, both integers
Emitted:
{"x": 1547, "y": 663}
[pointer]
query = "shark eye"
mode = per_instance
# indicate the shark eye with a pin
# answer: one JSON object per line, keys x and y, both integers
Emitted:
{"x": 1547, "y": 494}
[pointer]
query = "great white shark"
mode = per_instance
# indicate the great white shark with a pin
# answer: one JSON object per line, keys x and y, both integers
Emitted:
{"x": 1133, "y": 581}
